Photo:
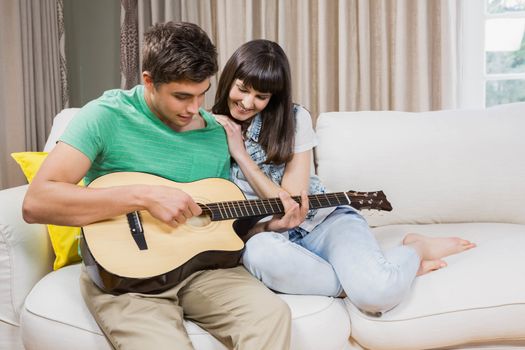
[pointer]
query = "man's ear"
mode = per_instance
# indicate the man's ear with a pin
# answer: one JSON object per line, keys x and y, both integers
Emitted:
{"x": 148, "y": 80}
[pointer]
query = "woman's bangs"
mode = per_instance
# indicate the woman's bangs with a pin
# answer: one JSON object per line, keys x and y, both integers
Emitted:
{"x": 263, "y": 78}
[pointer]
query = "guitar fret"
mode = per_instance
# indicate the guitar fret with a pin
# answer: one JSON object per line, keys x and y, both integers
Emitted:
{"x": 251, "y": 207}
{"x": 229, "y": 209}
{"x": 237, "y": 209}
{"x": 321, "y": 201}
{"x": 260, "y": 207}
{"x": 263, "y": 207}
{"x": 336, "y": 199}
{"x": 223, "y": 210}
{"x": 349, "y": 202}
{"x": 278, "y": 204}
{"x": 271, "y": 206}
{"x": 267, "y": 207}
{"x": 318, "y": 201}
{"x": 245, "y": 208}
{"x": 233, "y": 206}
{"x": 254, "y": 204}
{"x": 239, "y": 206}
{"x": 264, "y": 204}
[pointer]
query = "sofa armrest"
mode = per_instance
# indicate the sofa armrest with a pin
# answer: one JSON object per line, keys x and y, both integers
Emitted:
{"x": 26, "y": 254}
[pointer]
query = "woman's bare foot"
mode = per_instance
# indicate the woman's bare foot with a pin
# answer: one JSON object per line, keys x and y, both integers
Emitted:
{"x": 436, "y": 248}
{"x": 427, "y": 266}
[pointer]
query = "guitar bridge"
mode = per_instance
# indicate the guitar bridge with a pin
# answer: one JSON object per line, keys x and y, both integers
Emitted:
{"x": 136, "y": 230}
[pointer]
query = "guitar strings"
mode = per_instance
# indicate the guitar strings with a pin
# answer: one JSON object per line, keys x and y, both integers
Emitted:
{"x": 234, "y": 209}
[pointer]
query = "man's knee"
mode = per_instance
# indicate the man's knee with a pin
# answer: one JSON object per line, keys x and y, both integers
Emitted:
{"x": 281, "y": 311}
{"x": 277, "y": 323}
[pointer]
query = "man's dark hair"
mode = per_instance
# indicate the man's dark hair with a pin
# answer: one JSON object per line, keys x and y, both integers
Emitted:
{"x": 177, "y": 52}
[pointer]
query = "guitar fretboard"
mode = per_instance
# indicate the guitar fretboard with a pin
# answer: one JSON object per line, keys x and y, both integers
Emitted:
{"x": 263, "y": 207}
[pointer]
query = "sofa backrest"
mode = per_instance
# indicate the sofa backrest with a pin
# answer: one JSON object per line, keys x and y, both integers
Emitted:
{"x": 435, "y": 167}
{"x": 59, "y": 126}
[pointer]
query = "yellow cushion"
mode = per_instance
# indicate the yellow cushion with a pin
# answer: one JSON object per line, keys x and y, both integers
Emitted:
{"x": 64, "y": 239}
{"x": 30, "y": 162}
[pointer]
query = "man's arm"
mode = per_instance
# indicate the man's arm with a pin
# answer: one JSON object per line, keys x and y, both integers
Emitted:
{"x": 54, "y": 198}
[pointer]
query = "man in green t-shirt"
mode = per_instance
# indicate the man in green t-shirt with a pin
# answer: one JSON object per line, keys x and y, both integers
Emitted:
{"x": 156, "y": 128}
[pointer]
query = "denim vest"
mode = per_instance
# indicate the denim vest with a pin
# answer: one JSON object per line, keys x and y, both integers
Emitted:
{"x": 273, "y": 171}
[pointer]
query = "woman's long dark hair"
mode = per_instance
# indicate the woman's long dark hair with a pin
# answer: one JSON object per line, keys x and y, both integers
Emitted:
{"x": 263, "y": 66}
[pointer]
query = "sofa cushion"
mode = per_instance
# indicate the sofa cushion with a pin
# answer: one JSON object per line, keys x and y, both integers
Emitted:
{"x": 435, "y": 167}
{"x": 55, "y": 306}
{"x": 478, "y": 298}
{"x": 63, "y": 238}
{"x": 29, "y": 162}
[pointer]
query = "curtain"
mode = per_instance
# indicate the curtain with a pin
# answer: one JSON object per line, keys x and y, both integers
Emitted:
{"x": 33, "y": 87}
{"x": 129, "y": 45}
{"x": 345, "y": 54}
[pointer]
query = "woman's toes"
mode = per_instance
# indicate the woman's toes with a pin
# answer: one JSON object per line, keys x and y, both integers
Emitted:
{"x": 427, "y": 266}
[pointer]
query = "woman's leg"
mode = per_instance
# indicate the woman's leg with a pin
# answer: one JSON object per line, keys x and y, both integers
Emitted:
{"x": 287, "y": 267}
{"x": 343, "y": 251}
{"x": 374, "y": 281}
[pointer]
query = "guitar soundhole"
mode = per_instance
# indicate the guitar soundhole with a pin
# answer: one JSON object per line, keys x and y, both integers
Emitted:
{"x": 199, "y": 221}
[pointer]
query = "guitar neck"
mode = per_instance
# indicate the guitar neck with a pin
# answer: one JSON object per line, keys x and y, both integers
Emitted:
{"x": 264, "y": 207}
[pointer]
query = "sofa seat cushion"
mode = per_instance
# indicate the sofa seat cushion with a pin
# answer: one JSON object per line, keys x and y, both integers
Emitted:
{"x": 56, "y": 317}
{"x": 478, "y": 298}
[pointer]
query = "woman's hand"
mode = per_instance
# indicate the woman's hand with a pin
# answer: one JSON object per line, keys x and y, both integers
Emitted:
{"x": 234, "y": 134}
{"x": 294, "y": 215}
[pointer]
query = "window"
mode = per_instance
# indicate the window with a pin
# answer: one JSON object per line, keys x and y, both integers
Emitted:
{"x": 492, "y": 47}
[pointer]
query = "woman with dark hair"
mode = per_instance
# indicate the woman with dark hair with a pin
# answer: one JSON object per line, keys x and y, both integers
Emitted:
{"x": 328, "y": 251}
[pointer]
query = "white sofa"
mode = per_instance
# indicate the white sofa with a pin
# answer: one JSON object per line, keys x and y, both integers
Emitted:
{"x": 44, "y": 310}
{"x": 445, "y": 173}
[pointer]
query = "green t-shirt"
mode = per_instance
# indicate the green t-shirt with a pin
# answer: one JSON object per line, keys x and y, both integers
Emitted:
{"x": 118, "y": 132}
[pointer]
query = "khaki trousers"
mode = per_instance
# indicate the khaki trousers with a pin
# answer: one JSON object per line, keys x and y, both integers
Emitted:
{"x": 231, "y": 304}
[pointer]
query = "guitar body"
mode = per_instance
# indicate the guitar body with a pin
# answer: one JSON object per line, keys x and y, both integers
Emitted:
{"x": 117, "y": 264}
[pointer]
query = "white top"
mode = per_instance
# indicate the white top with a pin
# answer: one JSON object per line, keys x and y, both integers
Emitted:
{"x": 305, "y": 139}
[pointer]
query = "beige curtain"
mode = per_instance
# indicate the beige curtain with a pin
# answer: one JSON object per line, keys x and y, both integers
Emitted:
{"x": 129, "y": 45}
{"x": 33, "y": 87}
{"x": 345, "y": 54}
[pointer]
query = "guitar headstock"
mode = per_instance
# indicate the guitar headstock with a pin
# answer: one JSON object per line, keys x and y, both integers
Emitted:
{"x": 369, "y": 200}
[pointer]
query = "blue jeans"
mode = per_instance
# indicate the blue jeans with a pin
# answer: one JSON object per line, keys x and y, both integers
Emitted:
{"x": 339, "y": 254}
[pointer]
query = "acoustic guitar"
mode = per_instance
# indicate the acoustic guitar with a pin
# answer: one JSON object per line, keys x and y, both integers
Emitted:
{"x": 138, "y": 253}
